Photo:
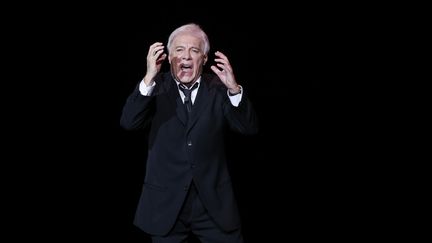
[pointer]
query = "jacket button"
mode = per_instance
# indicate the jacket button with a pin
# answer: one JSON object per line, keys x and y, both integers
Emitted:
{"x": 185, "y": 188}
{"x": 189, "y": 143}
{"x": 193, "y": 166}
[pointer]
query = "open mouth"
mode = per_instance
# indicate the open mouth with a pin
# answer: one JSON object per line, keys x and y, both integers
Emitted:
{"x": 186, "y": 67}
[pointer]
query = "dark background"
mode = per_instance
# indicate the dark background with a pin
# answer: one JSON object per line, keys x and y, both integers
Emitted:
{"x": 80, "y": 175}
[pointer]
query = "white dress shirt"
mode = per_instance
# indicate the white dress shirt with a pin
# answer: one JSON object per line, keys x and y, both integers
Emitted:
{"x": 147, "y": 90}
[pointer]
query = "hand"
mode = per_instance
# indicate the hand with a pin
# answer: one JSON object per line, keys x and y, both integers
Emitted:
{"x": 155, "y": 58}
{"x": 226, "y": 73}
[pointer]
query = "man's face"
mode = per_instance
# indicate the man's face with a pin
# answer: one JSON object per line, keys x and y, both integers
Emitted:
{"x": 187, "y": 58}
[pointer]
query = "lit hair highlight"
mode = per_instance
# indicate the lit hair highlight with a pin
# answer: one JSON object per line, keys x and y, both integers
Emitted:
{"x": 190, "y": 29}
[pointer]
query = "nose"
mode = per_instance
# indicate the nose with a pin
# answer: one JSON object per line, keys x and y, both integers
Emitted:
{"x": 186, "y": 55}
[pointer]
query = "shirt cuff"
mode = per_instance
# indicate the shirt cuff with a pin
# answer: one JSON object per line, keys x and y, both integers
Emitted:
{"x": 146, "y": 90}
{"x": 235, "y": 99}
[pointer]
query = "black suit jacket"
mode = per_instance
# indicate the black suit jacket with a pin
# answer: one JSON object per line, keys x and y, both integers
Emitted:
{"x": 180, "y": 151}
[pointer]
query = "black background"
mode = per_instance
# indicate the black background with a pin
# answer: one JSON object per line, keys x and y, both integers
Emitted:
{"x": 79, "y": 175}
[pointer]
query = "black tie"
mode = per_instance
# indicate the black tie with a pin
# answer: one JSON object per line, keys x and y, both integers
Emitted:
{"x": 187, "y": 92}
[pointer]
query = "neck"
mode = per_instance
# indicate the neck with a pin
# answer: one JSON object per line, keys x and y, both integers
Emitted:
{"x": 185, "y": 84}
{"x": 189, "y": 84}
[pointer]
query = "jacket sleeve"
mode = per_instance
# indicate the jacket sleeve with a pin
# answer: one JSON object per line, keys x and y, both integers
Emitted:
{"x": 242, "y": 119}
{"x": 137, "y": 111}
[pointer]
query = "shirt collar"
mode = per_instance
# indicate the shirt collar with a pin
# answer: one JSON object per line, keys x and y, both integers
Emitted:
{"x": 197, "y": 81}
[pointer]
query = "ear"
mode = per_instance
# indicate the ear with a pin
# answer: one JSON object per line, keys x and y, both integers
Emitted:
{"x": 205, "y": 60}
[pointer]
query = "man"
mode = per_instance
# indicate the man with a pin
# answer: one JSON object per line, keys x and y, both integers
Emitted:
{"x": 187, "y": 185}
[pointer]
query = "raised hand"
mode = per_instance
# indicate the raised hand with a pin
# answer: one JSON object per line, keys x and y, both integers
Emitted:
{"x": 155, "y": 58}
{"x": 225, "y": 73}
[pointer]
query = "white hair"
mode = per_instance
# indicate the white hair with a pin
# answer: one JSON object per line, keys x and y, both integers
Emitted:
{"x": 192, "y": 29}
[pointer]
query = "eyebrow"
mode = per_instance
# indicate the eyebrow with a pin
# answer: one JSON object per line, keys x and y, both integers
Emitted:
{"x": 183, "y": 47}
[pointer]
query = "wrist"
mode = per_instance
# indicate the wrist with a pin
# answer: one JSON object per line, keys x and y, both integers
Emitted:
{"x": 148, "y": 81}
{"x": 235, "y": 91}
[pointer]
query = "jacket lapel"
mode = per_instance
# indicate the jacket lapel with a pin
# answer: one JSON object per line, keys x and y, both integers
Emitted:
{"x": 176, "y": 100}
{"x": 201, "y": 102}
{"x": 180, "y": 110}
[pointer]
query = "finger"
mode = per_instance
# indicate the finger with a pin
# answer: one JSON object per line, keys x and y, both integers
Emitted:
{"x": 226, "y": 64}
{"x": 221, "y": 66}
{"x": 221, "y": 55}
{"x": 157, "y": 50}
{"x": 155, "y": 46}
{"x": 221, "y": 60}
{"x": 216, "y": 70}
{"x": 161, "y": 59}
{"x": 157, "y": 53}
{"x": 224, "y": 68}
